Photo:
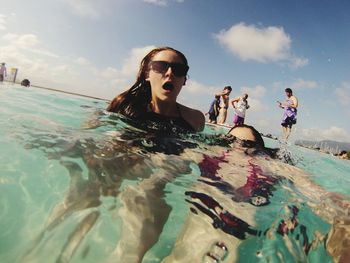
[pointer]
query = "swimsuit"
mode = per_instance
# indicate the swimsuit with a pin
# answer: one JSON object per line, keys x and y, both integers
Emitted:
{"x": 166, "y": 124}
{"x": 289, "y": 115}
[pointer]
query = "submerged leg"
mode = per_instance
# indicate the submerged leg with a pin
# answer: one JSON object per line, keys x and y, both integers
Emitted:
{"x": 77, "y": 236}
{"x": 81, "y": 195}
{"x": 144, "y": 213}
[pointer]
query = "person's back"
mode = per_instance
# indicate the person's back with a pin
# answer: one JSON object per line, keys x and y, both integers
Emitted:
{"x": 214, "y": 109}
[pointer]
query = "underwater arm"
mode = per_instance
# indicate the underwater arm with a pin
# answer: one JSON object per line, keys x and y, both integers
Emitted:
{"x": 93, "y": 120}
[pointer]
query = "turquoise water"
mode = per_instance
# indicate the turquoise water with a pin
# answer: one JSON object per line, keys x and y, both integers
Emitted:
{"x": 72, "y": 194}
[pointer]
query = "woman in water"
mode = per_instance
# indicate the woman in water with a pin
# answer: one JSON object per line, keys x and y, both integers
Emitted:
{"x": 153, "y": 97}
{"x": 151, "y": 100}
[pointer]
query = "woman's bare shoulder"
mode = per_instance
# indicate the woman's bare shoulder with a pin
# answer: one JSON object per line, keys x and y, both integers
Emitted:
{"x": 194, "y": 117}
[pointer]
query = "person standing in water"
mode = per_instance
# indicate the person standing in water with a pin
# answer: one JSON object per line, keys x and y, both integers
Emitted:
{"x": 225, "y": 95}
{"x": 3, "y": 72}
{"x": 214, "y": 110}
{"x": 240, "y": 105}
{"x": 153, "y": 97}
{"x": 290, "y": 112}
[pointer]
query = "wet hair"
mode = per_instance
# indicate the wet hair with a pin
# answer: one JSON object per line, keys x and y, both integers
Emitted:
{"x": 288, "y": 90}
{"x": 25, "y": 83}
{"x": 258, "y": 140}
{"x": 135, "y": 101}
{"x": 228, "y": 87}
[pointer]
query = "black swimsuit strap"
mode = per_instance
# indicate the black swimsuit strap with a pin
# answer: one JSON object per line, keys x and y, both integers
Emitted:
{"x": 166, "y": 122}
{"x": 179, "y": 110}
{"x": 182, "y": 118}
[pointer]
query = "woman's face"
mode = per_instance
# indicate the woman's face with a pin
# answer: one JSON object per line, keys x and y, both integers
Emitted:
{"x": 166, "y": 81}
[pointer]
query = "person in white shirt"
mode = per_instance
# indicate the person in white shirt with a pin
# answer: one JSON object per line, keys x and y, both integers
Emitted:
{"x": 3, "y": 72}
{"x": 240, "y": 105}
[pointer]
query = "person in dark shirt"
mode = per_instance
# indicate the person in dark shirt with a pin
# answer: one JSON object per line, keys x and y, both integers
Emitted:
{"x": 214, "y": 110}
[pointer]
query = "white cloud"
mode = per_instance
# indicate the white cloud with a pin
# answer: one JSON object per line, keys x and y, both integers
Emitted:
{"x": 252, "y": 43}
{"x": 84, "y": 8}
{"x": 332, "y": 133}
{"x": 194, "y": 87}
{"x": 298, "y": 84}
{"x": 343, "y": 93}
{"x": 255, "y": 92}
{"x": 262, "y": 44}
{"x": 29, "y": 42}
{"x": 132, "y": 62}
{"x": 109, "y": 72}
{"x": 257, "y": 106}
{"x": 296, "y": 62}
{"x": 197, "y": 95}
{"x": 303, "y": 84}
{"x": 75, "y": 74}
{"x": 2, "y": 22}
{"x": 161, "y": 2}
{"x": 83, "y": 61}
{"x": 22, "y": 41}
{"x": 157, "y": 2}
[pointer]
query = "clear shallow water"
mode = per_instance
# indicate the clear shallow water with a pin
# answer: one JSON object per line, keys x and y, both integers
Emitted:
{"x": 326, "y": 170}
{"x": 69, "y": 194}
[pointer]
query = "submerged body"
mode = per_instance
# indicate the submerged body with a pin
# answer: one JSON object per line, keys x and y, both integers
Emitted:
{"x": 96, "y": 193}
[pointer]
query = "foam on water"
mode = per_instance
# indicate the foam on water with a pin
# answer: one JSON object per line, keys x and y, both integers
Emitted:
{"x": 113, "y": 192}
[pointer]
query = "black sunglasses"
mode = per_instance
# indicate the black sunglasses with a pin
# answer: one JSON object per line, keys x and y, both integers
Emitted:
{"x": 178, "y": 69}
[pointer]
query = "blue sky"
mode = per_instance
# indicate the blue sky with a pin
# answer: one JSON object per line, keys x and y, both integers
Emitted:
{"x": 258, "y": 47}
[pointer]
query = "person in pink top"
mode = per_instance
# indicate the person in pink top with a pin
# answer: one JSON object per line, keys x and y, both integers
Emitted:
{"x": 3, "y": 72}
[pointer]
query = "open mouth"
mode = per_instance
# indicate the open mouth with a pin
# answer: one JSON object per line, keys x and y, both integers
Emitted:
{"x": 168, "y": 86}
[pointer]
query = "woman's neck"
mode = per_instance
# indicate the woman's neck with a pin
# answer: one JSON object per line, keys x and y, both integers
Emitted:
{"x": 165, "y": 108}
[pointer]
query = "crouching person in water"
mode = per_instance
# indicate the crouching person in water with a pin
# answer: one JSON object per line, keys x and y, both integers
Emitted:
{"x": 153, "y": 96}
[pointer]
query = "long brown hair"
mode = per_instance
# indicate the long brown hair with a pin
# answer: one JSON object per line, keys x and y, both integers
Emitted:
{"x": 135, "y": 101}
